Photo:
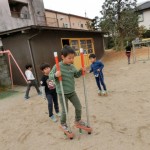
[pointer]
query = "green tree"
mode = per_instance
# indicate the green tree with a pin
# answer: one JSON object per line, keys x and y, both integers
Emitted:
{"x": 120, "y": 20}
{"x": 94, "y": 24}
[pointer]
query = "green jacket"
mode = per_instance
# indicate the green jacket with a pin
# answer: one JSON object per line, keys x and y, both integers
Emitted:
{"x": 68, "y": 72}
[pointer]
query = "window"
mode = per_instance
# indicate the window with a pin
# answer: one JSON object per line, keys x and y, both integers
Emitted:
{"x": 140, "y": 17}
{"x": 19, "y": 9}
{"x": 77, "y": 43}
{"x": 75, "y": 46}
{"x": 86, "y": 44}
{"x": 1, "y": 45}
{"x": 81, "y": 25}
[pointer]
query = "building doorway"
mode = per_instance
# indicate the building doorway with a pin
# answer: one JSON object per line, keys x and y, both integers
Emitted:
{"x": 65, "y": 42}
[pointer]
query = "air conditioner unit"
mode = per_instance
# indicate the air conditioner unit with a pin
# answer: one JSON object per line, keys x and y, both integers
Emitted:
{"x": 65, "y": 25}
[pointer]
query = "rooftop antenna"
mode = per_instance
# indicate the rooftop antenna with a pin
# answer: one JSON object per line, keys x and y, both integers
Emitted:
{"x": 85, "y": 14}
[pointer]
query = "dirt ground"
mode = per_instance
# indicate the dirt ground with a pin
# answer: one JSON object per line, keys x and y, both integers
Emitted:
{"x": 120, "y": 121}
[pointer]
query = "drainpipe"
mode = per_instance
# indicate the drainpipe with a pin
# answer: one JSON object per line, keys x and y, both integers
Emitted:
{"x": 31, "y": 54}
{"x": 69, "y": 21}
{"x": 57, "y": 20}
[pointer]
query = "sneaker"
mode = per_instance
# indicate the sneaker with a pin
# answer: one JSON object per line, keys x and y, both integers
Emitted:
{"x": 65, "y": 127}
{"x": 100, "y": 92}
{"x": 58, "y": 114}
{"x": 104, "y": 92}
{"x": 53, "y": 118}
{"x": 81, "y": 123}
{"x": 26, "y": 97}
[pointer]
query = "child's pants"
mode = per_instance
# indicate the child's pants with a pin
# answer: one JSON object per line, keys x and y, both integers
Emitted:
{"x": 100, "y": 81}
{"x": 76, "y": 103}
{"x": 52, "y": 98}
{"x": 32, "y": 83}
{"x": 128, "y": 55}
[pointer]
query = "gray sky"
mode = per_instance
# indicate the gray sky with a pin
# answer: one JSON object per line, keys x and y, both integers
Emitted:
{"x": 77, "y": 7}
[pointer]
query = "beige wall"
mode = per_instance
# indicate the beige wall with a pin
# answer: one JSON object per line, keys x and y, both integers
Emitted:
{"x": 51, "y": 19}
{"x": 56, "y": 19}
{"x": 78, "y": 23}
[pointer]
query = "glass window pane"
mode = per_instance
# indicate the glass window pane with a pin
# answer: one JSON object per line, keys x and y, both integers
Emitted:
{"x": 82, "y": 41}
{"x": 89, "y": 42}
{"x": 74, "y": 42}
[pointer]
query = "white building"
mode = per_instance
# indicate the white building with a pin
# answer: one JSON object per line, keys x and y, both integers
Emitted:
{"x": 144, "y": 14}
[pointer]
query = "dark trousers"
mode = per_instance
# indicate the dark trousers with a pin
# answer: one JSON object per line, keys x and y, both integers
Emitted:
{"x": 100, "y": 81}
{"x": 32, "y": 83}
{"x": 52, "y": 98}
{"x": 128, "y": 56}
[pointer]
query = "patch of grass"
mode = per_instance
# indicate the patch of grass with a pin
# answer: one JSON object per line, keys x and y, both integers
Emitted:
{"x": 7, "y": 93}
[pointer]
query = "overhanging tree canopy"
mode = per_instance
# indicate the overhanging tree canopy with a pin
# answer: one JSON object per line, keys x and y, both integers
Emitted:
{"x": 120, "y": 20}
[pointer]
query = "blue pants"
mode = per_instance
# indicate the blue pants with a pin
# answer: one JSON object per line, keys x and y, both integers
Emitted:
{"x": 100, "y": 81}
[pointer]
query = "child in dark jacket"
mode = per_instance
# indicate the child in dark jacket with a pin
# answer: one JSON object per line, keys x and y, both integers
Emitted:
{"x": 96, "y": 68}
{"x": 49, "y": 92}
{"x": 128, "y": 51}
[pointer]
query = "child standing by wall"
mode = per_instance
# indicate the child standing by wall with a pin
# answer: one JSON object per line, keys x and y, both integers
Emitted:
{"x": 68, "y": 73}
{"x": 31, "y": 81}
{"x": 96, "y": 68}
{"x": 49, "y": 91}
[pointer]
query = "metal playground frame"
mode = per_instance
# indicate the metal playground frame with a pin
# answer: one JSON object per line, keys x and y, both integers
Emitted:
{"x": 9, "y": 55}
{"x": 137, "y": 44}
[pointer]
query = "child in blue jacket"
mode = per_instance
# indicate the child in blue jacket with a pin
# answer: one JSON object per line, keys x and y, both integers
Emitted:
{"x": 96, "y": 68}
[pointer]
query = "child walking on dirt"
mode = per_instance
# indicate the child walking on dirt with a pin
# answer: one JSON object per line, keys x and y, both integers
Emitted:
{"x": 96, "y": 68}
{"x": 49, "y": 92}
{"x": 31, "y": 81}
{"x": 128, "y": 52}
{"x": 68, "y": 73}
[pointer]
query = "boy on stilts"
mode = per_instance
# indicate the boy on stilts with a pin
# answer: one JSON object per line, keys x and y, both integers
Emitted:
{"x": 68, "y": 72}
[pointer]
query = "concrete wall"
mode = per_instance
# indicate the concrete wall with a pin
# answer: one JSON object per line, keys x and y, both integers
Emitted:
{"x": 36, "y": 15}
{"x": 4, "y": 73}
{"x": 39, "y": 12}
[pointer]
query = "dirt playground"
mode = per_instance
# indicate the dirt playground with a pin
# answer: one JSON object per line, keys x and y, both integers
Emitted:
{"x": 120, "y": 121}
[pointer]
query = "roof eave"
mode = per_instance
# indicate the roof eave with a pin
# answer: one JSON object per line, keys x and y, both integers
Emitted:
{"x": 47, "y": 28}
